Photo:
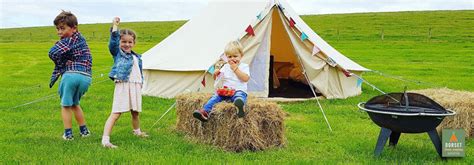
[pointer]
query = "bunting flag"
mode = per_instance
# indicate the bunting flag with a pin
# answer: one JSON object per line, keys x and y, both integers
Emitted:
{"x": 303, "y": 36}
{"x": 315, "y": 50}
{"x": 203, "y": 82}
{"x": 211, "y": 69}
{"x": 359, "y": 82}
{"x": 250, "y": 31}
{"x": 346, "y": 73}
{"x": 292, "y": 22}
{"x": 259, "y": 16}
{"x": 331, "y": 62}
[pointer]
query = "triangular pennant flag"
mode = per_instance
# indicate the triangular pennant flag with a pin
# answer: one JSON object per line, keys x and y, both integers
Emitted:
{"x": 203, "y": 82}
{"x": 303, "y": 36}
{"x": 211, "y": 69}
{"x": 259, "y": 16}
{"x": 315, "y": 50}
{"x": 331, "y": 62}
{"x": 346, "y": 73}
{"x": 359, "y": 82}
{"x": 292, "y": 22}
{"x": 250, "y": 31}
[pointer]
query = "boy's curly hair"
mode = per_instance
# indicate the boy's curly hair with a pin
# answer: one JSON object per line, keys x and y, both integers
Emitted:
{"x": 67, "y": 18}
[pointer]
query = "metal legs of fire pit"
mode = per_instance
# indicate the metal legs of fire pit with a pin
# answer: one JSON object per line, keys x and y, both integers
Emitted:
{"x": 383, "y": 136}
{"x": 436, "y": 141}
{"x": 386, "y": 133}
{"x": 394, "y": 138}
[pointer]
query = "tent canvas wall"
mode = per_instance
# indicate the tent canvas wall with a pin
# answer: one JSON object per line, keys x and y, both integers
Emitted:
{"x": 179, "y": 62}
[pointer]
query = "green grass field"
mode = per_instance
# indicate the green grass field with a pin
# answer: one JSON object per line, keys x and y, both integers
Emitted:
{"x": 440, "y": 57}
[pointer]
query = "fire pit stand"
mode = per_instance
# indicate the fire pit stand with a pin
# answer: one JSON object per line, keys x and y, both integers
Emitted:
{"x": 386, "y": 134}
{"x": 398, "y": 113}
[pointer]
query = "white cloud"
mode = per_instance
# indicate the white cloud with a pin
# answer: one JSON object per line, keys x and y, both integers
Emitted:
{"x": 15, "y": 13}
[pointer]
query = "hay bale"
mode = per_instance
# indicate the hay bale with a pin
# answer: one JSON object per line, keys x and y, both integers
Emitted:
{"x": 462, "y": 102}
{"x": 261, "y": 128}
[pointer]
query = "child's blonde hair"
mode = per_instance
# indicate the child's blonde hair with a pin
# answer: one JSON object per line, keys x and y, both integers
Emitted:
{"x": 234, "y": 47}
{"x": 128, "y": 32}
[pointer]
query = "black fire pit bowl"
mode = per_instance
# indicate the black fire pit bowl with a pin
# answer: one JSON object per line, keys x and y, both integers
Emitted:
{"x": 398, "y": 113}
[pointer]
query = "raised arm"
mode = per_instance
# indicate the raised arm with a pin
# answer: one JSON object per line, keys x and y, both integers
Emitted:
{"x": 114, "y": 42}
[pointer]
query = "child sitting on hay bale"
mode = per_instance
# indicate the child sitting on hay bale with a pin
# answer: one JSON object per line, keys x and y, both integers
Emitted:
{"x": 234, "y": 75}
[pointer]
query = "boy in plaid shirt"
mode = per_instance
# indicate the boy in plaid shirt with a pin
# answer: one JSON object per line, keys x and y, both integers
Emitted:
{"x": 73, "y": 62}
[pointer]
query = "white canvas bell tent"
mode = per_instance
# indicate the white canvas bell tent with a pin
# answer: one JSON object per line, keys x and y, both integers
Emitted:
{"x": 276, "y": 41}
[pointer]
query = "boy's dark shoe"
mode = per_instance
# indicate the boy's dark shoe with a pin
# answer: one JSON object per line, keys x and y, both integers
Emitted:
{"x": 201, "y": 115}
{"x": 85, "y": 132}
{"x": 68, "y": 137}
{"x": 239, "y": 103}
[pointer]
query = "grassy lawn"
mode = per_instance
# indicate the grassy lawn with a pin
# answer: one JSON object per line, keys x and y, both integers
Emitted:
{"x": 31, "y": 131}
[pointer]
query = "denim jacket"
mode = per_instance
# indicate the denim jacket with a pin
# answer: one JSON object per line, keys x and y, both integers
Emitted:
{"x": 123, "y": 62}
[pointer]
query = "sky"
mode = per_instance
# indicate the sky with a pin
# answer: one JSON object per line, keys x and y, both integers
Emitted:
{"x": 28, "y": 13}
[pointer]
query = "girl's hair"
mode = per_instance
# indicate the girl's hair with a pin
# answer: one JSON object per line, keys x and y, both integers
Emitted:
{"x": 128, "y": 32}
{"x": 234, "y": 47}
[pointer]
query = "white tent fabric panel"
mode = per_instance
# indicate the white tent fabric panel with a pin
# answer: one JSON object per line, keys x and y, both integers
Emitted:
{"x": 199, "y": 42}
{"x": 168, "y": 84}
{"x": 259, "y": 66}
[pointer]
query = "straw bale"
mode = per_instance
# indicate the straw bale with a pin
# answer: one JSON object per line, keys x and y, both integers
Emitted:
{"x": 462, "y": 102}
{"x": 260, "y": 129}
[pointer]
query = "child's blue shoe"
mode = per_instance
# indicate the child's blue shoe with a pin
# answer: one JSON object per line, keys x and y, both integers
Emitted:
{"x": 84, "y": 131}
{"x": 68, "y": 134}
{"x": 68, "y": 137}
{"x": 239, "y": 103}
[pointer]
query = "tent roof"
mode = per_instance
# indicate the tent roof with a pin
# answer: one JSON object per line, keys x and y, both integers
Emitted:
{"x": 198, "y": 43}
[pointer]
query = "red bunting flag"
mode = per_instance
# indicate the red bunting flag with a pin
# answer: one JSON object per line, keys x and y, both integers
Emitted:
{"x": 250, "y": 31}
{"x": 203, "y": 82}
{"x": 292, "y": 22}
{"x": 346, "y": 73}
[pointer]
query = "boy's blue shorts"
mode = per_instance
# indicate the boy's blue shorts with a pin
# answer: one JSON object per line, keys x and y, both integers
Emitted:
{"x": 72, "y": 87}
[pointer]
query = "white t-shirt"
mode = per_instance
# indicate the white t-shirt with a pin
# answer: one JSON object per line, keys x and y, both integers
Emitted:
{"x": 230, "y": 79}
{"x": 135, "y": 74}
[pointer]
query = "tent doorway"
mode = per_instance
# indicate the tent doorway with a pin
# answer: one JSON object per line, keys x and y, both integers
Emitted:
{"x": 286, "y": 77}
{"x": 281, "y": 85}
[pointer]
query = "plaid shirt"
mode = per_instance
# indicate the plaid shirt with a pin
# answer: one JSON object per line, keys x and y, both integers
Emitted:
{"x": 70, "y": 54}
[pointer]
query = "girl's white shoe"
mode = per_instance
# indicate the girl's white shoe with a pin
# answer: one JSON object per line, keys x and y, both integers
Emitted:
{"x": 140, "y": 134}
{"x": 106, "y": 142}
{"x": 109, "y": 145}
